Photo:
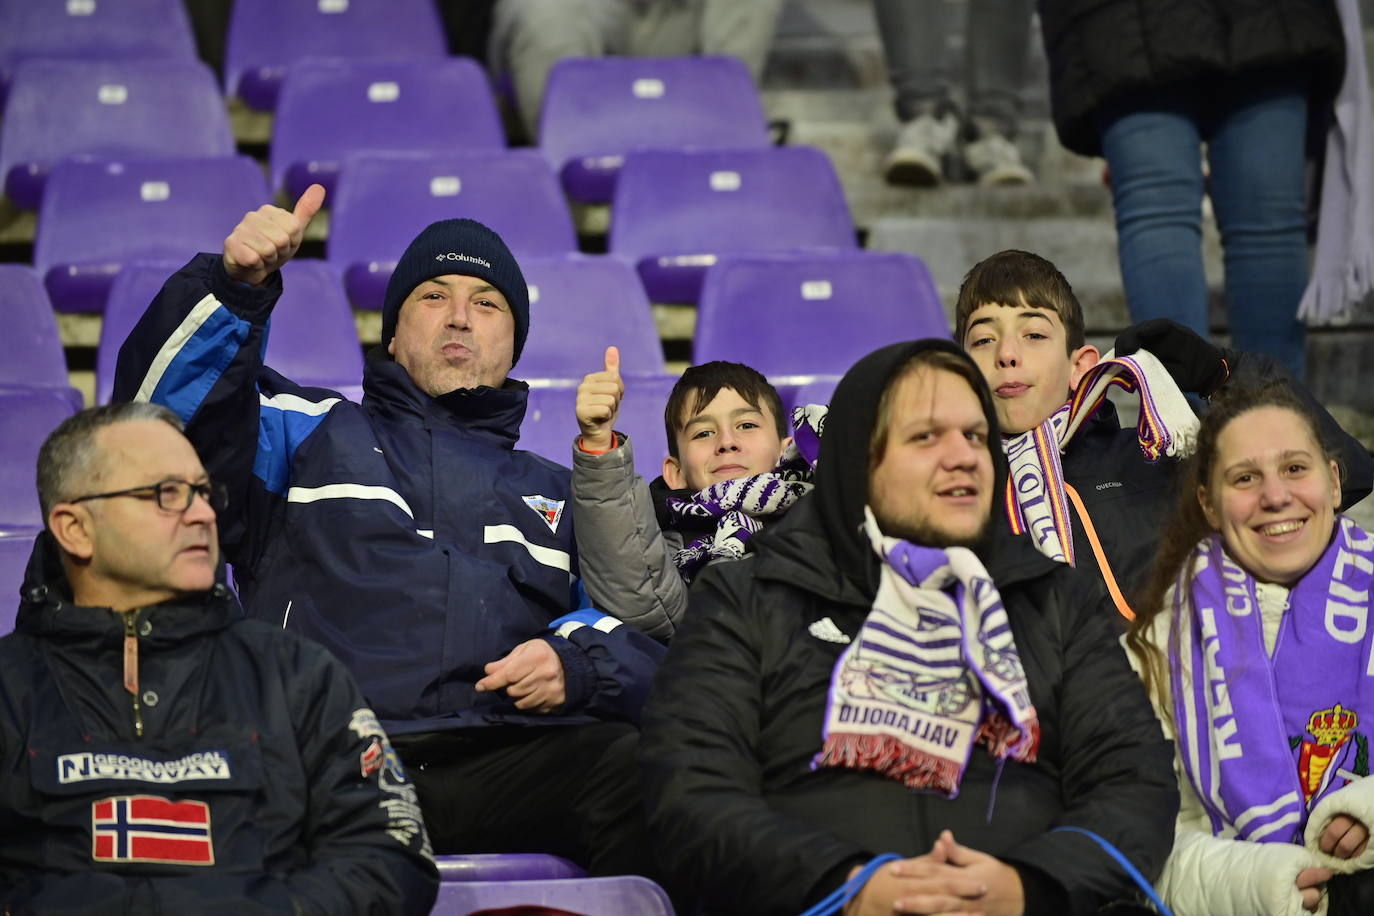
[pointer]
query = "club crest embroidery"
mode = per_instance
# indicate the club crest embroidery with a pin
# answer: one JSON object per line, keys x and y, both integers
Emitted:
{"x": 550, "y": 510}
{"x": 1324, "y": 752}
{"x": 146, "y": 828}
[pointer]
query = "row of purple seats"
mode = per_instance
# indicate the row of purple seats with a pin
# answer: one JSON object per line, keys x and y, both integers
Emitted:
{"x": 596, "y": 112}
{"x": 93, "y": 30}
{"x": 675, "y": 213}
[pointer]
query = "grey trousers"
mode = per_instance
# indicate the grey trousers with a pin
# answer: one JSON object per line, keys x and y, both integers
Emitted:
{"x": 529, "y": 36}
{"x": 997, "y": 37}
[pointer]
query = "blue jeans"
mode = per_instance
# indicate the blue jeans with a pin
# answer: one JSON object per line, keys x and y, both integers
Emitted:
{"x": 1255, "y": 129}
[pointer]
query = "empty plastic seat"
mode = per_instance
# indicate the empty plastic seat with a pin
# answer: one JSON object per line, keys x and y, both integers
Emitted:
{"x": 30, "y": 349}
{"x": 676, "y": 211}
{"x": 384, "y": 200}
{"x": 815, "y": 313}
{"x": 107, "y": 110}
{"x": 312, "y": 339}
{"x": 579, "y": 306}
{"x": 14, "y": 558}
{"x": 98, "y": 216}
{"x": 26, "y": 418}
{"x": 598, "y": 109}
{"x": 551, "y": 425}
{"x": 330, "y": 108}
{"x": 93, "y": 30}
{"x": 625, "y": 895}
{"x": 513, "y": 866}
{"x": 266, "y": 36}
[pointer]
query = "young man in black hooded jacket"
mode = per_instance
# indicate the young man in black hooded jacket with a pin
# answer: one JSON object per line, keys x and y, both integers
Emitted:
{"x": 884, "y": 675}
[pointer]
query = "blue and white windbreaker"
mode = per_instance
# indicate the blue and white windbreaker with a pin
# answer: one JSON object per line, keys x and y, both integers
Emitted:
{"x": 406, "y": 533}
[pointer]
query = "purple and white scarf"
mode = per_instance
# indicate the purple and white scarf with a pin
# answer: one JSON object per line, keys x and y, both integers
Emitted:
{"x": 742, "y": 506}
{"x": 1264, "y": 739}
{"x": 933, "y": 670}
{"x": 1036, "y": 500}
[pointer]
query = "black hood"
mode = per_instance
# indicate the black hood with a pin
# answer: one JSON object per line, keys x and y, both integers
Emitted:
{"x": 842, "y": 470}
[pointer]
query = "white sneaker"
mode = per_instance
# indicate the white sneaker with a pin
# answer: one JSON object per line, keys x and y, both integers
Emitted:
{"x": 996, "y": 161}
{"x": 922, "y": 145}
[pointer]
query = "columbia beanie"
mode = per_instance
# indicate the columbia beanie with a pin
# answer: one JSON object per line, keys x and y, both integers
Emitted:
{"x": 458, "y": 246}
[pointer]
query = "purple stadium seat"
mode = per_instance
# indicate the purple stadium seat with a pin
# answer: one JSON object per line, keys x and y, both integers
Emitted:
{"x": 106, "y": 110}
{"x": 266, "y": 36}
{"x": 98, "y": 216}
{"x": 676, "y": 211}
{"x": 312, "y": 340}
{"x": 93, "y": 30}
{"x": 514, "y": 866}
{"x": 329, "y": 108}
{"x": 26, "y": 418}
{"x": 817, "y": 391}
{"x": 30, "y": 349}
{"x": 815, "y": 313}
{"x": 580, "y": 305}
{"x": 14, "y": 558}
{"x": 384, "y": 200}
{"x": 598, "y": 109}
{"x": 627, "y": 895}
{"x": 551, "y": 426}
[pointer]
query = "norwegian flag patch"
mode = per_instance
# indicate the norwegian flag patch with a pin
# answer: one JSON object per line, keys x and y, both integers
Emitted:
{"x": 550, "y": 510}
{"x": 145, "y": 828}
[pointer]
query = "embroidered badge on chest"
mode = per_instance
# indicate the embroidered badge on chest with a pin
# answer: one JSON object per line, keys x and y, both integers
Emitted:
{"x": 550, "y": 510}
{"x": 146, "y": 828}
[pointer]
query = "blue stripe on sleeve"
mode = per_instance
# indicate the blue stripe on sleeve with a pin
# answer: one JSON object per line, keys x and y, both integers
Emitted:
{"x": 280, "y": 433}
{"x": 585, "y": 616}
{"x": 200, "y": 362}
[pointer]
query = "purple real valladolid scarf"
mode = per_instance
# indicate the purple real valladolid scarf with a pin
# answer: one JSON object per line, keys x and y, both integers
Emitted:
{"x": 933, "y": 671}
{"x": 1264, "y": 739}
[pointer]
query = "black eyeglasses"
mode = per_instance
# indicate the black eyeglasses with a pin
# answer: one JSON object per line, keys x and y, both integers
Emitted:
{"x": 171, "y": 495}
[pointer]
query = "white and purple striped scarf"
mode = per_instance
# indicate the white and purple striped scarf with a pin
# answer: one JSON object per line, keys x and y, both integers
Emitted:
{"x": 933, "y": 670}
{"x": 1264, "y": 739}
{"x": 740, "y": 507}
{"x": 1036, "y": 500}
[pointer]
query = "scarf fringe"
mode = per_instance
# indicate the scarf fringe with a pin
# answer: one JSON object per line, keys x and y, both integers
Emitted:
{"x": 886, "y": 756}
{"x": 1003, "y": 739}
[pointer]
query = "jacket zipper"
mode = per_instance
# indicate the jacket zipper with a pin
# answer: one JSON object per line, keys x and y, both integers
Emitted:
{"x": 131, "y": 666}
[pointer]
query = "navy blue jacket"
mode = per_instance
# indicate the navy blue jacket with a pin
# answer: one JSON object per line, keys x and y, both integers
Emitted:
{"x": 405, "y": 534}
{"x": 246, "y": 776}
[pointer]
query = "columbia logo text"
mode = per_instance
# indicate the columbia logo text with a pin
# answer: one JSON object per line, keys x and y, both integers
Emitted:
{"x": 456, "y": 256}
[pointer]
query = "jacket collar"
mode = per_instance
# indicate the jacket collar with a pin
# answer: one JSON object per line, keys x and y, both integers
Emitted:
{"x": 47, "y": 610}
{"x": 493, "y": 414}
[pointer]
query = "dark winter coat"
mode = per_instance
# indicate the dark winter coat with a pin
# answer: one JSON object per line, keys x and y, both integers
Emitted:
{"x": 736, "y": 716}
{"x": 288, "y": 797}
{"x": 406, "y": 534}
{"x": 1103, "y": 51}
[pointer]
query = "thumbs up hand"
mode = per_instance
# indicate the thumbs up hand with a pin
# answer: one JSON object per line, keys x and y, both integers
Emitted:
{"x": 268, "y": 237}
{"x": 598, "y": 402}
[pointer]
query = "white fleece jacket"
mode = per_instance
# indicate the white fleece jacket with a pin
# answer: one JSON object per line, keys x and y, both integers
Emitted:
{"x": 1208, "y": 875}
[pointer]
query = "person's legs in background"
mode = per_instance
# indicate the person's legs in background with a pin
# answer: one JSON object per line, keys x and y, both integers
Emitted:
{"x": 915, "y": 34}
{"x": 1153, "y": 149}
{"x": 997, "y": 49}
{"x": 529, "y": 36}
{"x": 1257, "y": 153}
{"x": 743, "y": 30}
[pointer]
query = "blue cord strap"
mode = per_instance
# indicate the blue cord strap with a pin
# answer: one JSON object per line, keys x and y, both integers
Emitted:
{"x": 836, "y": 900}
{"x": 1124, "y": 862}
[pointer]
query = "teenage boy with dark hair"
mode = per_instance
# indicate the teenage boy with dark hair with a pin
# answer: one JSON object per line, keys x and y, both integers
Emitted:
{"x": 640, "y": 544}
{"x": 1098, "y": 499}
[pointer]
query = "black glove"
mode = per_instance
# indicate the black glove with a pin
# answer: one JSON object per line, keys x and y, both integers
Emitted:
{"x": 1195, "y": 364}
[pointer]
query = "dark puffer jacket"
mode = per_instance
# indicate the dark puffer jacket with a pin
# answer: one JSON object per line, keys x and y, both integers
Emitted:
{"x": 736, "y": 716}
{"x": 247, "y": 776}
{"x": 1101, "y": 51}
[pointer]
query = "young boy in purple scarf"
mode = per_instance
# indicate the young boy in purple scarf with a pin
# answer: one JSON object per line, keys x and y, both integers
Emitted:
{"x": 1089, "y": 492}
{"x": 729, "y": 470}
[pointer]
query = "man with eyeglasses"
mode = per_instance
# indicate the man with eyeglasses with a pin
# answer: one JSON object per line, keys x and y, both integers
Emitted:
{"x": 160, "y": 753}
